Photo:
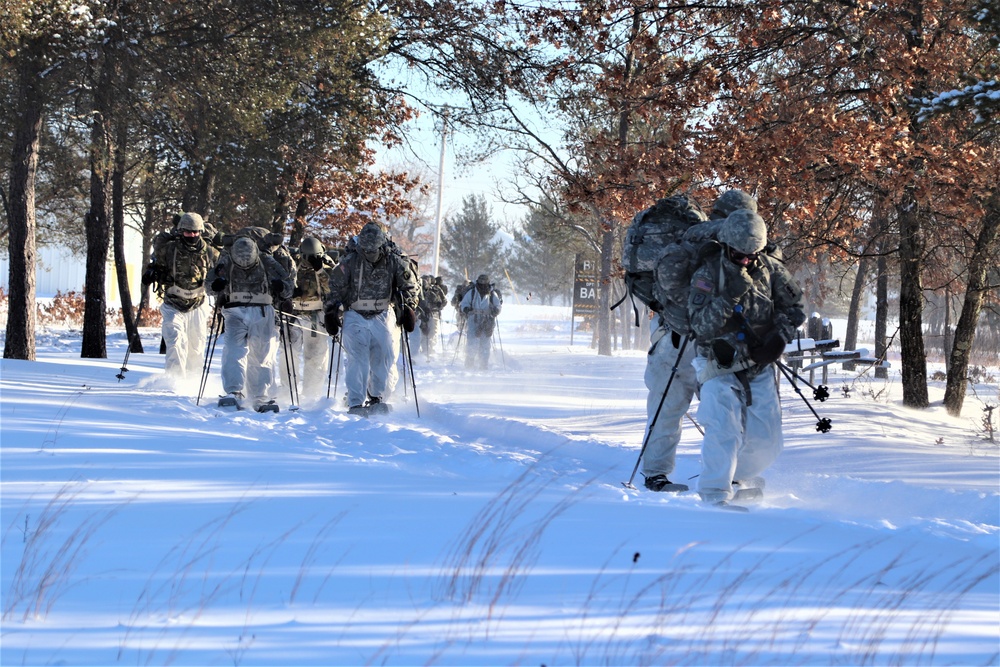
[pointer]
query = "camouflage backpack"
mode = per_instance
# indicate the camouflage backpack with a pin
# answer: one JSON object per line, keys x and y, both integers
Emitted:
{"x": 651, "y": 232}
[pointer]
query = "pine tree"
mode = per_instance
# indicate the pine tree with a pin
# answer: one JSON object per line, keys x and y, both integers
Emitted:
{"x": 469, "y": 243}
{"x": 542, "y": 257}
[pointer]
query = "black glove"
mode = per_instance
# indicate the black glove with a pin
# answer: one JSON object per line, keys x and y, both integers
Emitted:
{"x": 297, "y": 291}
{"x": 332, "y": 322}
{"x": 769, "y": 349}
{"x": 219, "y": 284}
{"x": 467, "y": 310}
{"x": 277, "y": 287}
{"x": 315, "y": 261}
{"x": 149, "y": 276}
{"x": 285, "y": 306}
{"x": 408, "y": 319}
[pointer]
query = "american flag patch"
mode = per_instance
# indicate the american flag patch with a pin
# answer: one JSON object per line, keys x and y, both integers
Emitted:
{"x": 703, "y": 285}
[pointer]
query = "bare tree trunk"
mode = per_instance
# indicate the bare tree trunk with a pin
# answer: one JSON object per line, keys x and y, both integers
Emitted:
{"x": 118, "y": 228}
{"x": 854, "y": 310}
{"x": 206, "y": 192}
{"x": 913, "y": 357}
{"x": 604, "y": 293}
{"x": 301, "y": 209}
{"x": 881, "y": 314}
{"x": 983, "y": 256}
{"x": 19, "y": 342}
{"x": 98, "y": 219}
{"x": 147, "y": 245}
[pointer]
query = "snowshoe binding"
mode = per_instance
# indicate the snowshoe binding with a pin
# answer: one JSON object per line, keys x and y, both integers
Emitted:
{"x": 231, "y": 401}
{"x": 661, "y": 484}
{"x": 270, "y": 406}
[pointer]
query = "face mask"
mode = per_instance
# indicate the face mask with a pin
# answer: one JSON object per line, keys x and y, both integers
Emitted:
{"x": 373, "y": 257}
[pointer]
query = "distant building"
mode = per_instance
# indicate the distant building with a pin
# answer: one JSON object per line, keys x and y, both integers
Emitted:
{"x": 59, "y": 269}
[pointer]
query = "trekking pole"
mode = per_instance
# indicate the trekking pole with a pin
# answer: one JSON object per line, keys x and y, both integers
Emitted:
{"x": 496, "y": 329}
{"x": 406, "y": 342}
{"x": 656, "y": 415}
{"x": 213, "y": 338}
{"x": 458, "y": 343}
{"x": 820, "y": 393}
{"x": 329, "y": 372}
{"x": 696, "y": 424}
{"x": 128, "y": 349}
{"x": 286, "y": 336}
{"x": 340, "y": 353}
{"x": 404, "y": 346}
{"x": 823, "y": 424}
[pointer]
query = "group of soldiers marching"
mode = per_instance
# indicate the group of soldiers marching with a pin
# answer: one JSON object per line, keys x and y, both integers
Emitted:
{"x": 281, "y": 313}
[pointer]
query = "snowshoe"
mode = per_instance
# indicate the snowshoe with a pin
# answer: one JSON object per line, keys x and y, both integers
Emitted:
{"x": 230, "y": 401}
{"x": 377, "y": 407}
{"x": 748, "y": 495}
{"x": 270, "y": 406}
{"x": 660, "y": 483}
{"x": 724, "y": 505}
{"x": 358, "y": 410}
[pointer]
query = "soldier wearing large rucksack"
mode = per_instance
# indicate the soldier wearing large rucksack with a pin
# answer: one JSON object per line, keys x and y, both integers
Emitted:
{"x": 434, "y": 297}
{"x": 248, "y": 283}
{"x": 744, "y": 308}
{"x": 373, "y": 291}
{"x": 306, "y": 338}
{"x": 179, "y": 267}
{"x": 671, "y": 352}
{"x": 481, "y": 306}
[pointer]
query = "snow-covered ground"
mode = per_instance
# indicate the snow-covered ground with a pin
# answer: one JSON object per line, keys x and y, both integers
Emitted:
{"x": 493, "y": 528}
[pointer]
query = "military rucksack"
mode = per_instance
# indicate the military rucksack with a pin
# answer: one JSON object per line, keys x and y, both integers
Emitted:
{"x": 651, "y": 232}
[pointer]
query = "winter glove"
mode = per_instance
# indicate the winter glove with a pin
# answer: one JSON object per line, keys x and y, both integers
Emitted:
{"x": 494, "y": 311}
{"x": 297, "y": 292}
{"x": 149, "y": 276}
{"x": 768, "y": 349}
{"x": 467, "y": 310}
{"x": 408, "y": 319}
{"x": 285, "y": 306}
{"x": 332, "y": 322}
{"x": 315, "y": 261}
{"x": 277, "y": 287}
{"x": 219, "y": 284}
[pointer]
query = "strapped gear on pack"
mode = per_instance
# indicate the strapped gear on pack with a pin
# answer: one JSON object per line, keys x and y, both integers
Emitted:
{"x": 652, "y": 231}
{"x": 244, "y": 252}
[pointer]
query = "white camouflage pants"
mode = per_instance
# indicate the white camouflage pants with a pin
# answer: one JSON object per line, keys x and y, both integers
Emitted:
{"x": 661, "y": 450}
{"x": 428, "y": 341}
{"x": 185, "y": 334}
{"x": 248, "y": 358}
{"x": 371, "y": 355}
{"x": 740, "y": 441}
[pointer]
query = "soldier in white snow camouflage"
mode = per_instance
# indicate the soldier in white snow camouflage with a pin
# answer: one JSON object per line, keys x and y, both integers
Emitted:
{"x": 666, "y": 341}
{"x": 180, "y": 266}
{"x": 744, "y": 307}
{"x": 373, "y": 291}
{"x": 247, "y": 284}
